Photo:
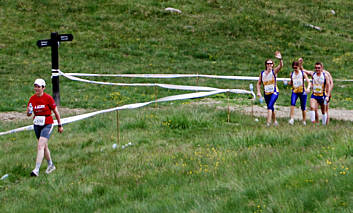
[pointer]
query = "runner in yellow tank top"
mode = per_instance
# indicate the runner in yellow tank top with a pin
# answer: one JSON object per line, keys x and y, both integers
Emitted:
{"x": 330, "y": 79}
{"x": 321, "y": 91}
{"x": 268, "y": 79}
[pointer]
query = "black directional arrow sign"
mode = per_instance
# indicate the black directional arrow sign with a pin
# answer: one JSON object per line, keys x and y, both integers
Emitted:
{"x": 53, "y": 42}
{"x": 44, "y": 43}
{"x": 65, "y": 37}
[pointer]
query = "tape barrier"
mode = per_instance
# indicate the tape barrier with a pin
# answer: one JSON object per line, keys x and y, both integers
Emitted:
{"x": 167, "y": 86}
{"x": 249, "y": 78}
{"x": 166, "y": 76}
{"x": 135, "y": 106}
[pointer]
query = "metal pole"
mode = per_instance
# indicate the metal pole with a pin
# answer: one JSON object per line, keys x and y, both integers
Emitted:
{"x": 55, "y": 67}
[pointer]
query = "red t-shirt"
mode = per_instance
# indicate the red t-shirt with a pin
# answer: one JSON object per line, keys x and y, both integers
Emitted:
{"x": 42, "y": 106}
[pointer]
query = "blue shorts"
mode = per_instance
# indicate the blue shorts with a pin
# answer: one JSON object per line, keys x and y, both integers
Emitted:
{"x": 303, "y": 96}
{"x": 43, "y": 131}
{"x": 271, "y": 100}
{"x": 319, "y": 99}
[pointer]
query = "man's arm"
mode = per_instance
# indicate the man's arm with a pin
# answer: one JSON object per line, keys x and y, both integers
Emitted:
{"x": 308, "y": 72}
{"x": 308, "y": 82}
{"x": 330, "y": 79}
{"x": 327, "y": 88}
{"x": 57, "y": 115}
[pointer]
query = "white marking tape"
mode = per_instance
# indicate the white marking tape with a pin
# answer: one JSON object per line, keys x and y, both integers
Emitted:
{"x": 167, "y": 86}
{"x": 136, "y": 105}
{"x": 182, "y": 76}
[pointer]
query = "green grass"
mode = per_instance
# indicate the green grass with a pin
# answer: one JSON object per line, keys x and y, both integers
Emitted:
{"x": 184, "y": 157}
{"x": 209, "y": 37}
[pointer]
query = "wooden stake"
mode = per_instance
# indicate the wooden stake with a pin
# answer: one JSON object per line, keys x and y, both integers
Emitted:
{"x": 117, "y": 127}
{"x": 252, "y": 108}
{"x": 228, "y": 108}
{"x": 155, "y": 96}
{"x": 197, "y": 79}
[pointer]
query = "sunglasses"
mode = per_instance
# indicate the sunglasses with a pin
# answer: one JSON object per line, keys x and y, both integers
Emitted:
{"x": 269, "y": 63}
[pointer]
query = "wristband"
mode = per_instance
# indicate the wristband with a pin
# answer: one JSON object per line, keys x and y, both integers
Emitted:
{"x": 59, "y": 125}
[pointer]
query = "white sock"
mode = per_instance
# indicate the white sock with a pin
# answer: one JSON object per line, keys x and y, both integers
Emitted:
{"x": 50, "y": 162}
{"x": 312, "y": 116}
{"x": 324, "y": 118}
{"x": 37, "y": 166}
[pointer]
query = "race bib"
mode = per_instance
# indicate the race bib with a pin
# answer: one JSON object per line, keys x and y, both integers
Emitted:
{"x": 39, "y": 120}
{"x": 317, "y": 88}
{"x": 297, "y": 83}
{"x": 269, "y": 88}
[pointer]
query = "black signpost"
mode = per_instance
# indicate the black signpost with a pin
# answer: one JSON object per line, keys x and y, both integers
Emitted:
{"x": 53, "y": 42}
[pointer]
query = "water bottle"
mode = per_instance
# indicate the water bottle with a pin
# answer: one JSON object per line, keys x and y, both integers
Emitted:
{"x": 285, "y": 82}
{"x": 251, "y": 87}
{"x": 325, "y": 102}
{"x": 261, "y": 99}
{"x": 4, "y": 177}
{"x": 30, "y": 108}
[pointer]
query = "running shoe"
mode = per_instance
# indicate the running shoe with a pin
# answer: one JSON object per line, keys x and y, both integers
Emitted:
{"x": 50, "y": 169}
{"x": 34, "y": 173}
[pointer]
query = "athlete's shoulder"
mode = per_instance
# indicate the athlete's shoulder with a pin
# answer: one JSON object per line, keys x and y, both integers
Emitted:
{"x": 327, "y": 73}
{"x": 48, "y": 97}
{"x": 32, "y": 98}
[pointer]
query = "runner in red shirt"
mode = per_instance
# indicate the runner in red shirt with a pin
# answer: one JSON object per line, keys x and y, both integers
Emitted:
{"x": 42, "y": 104}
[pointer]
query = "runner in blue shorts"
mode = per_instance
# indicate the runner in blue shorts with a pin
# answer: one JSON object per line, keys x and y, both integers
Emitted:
{"x": 321, "y": 91}
{"x": 268, "y": 79}
{"x": 329, "y": 78}
{"x": 297, "y": 78}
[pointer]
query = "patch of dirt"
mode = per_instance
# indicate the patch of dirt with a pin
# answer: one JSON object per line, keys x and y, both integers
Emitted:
{"x": 17, "y": 116}
{"x": 258, "y": 111}
{"x": 281, "y": 111}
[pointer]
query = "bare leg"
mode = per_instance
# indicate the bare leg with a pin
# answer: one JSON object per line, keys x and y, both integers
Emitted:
{"x": 47, "y": 152}
{"x": 313, "y": 108}
{"x": 291, "y": 112}
{"x": 274, "y": 117}
{"x": 316, "y": 116}
{"x": 269, "y": 116}
{"x": 304, "y": 115}
{"x": 327, "y": 116}
{"x": 40, "y": 149}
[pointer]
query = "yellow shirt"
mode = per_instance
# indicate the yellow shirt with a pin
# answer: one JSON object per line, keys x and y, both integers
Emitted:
{"x": 319, "y": 84}
{"x": 297, "y": 82}
{"x": 269, "y": 81}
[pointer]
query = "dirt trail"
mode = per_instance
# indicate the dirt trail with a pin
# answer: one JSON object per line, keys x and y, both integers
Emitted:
{"x": 17, "y": 116}
{"x": 259, "y": 111}
{"x": 281, "y": 111}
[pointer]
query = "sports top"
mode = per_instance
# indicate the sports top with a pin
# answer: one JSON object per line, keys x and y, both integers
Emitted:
{"x": 319, "y": 83}
{"x": 269, "y": 81}
{"x": 297, "y": 82}
{"x": 42, "y": 106}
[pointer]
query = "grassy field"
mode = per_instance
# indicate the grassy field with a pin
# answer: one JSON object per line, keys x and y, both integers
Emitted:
{"x": 209, "y": 37}
{"x": 182, "y": 159}
{"x": 185, "y": 157}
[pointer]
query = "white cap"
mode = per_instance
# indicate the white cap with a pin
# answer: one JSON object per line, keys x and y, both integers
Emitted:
{"x": 40, "y": 82}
